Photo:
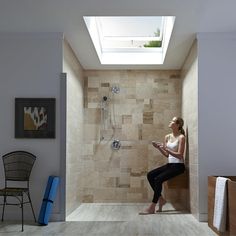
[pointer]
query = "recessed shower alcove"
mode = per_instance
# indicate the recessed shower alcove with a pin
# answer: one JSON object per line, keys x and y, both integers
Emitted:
{"x": 130, "y": 108}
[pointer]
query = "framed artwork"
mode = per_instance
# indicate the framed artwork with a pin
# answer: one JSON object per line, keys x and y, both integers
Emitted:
{"x": 35, "y": 117}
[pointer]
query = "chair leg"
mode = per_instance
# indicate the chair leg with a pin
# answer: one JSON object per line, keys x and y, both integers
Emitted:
{"x": 3, "y": 208}
{"x": 22, "y": 213}
{"x": 31, "y": 206}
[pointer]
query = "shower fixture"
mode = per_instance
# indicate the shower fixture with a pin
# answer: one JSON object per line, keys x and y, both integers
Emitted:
{"x": 104, "y": 98}
{"x": 115, "y": 145}
{"x": 108, "y": 118}
{"x": 104, "y": 102}
{"x": 115, "y": 89}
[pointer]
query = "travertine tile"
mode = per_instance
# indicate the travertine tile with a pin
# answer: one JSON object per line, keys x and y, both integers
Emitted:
{"x": 189, "y": 107}
{"x": 76, "y": 98}
{"x": 126, "y": 119}
{"x": 148, "y": 118}
{"x": 137, "y": 115}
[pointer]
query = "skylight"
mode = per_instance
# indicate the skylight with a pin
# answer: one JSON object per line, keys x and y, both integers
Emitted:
{"x": 130, "y": 40}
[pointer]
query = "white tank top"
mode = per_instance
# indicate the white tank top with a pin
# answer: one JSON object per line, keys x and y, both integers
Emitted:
{"x": 174, "y": 147}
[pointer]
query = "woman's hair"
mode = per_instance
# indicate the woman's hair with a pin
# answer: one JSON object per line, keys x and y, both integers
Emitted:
{"x": 180, "y": 122}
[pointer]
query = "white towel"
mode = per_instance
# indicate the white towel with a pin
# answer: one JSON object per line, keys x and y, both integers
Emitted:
{"x": 219, "y": 219}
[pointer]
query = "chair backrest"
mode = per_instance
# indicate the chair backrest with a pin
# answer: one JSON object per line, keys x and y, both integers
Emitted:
{"x": 18, "y": 165}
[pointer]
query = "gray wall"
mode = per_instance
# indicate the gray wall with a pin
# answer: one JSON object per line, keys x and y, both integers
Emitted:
{"x": 216, "y": 114}
{"x": 30, "y": 66}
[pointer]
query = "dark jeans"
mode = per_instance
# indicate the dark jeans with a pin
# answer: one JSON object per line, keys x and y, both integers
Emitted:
{"x": 157, "y": 176}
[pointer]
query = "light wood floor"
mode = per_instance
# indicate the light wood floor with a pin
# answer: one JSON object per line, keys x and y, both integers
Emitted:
{"x": 114, "y": 219}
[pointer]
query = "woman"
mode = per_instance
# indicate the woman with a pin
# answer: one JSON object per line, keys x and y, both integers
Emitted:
{"x": 172, "y": 148}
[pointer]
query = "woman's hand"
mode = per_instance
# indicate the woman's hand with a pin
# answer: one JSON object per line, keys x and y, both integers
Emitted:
{"x": 165, "y": 149}
{"x": 161, "y": 148}
{"x": 157, "y": 144}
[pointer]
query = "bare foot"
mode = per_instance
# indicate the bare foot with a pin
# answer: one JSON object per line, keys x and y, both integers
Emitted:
{"x": 146, "y": 212}
{"x": 149, "y": 210}
{"x": 161, "y": 202}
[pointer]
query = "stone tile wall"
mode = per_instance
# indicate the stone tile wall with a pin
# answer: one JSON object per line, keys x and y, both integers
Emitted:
{"x": 190, "y": 115}
{"x": 136, "y": 115}
{"x": 74, "y": 128}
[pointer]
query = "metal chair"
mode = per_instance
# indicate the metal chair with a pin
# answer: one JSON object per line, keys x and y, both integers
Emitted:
{"x": 17, "y": 167}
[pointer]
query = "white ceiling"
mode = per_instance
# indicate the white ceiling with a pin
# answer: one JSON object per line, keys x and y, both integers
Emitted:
{"x": 192, "y": 16}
